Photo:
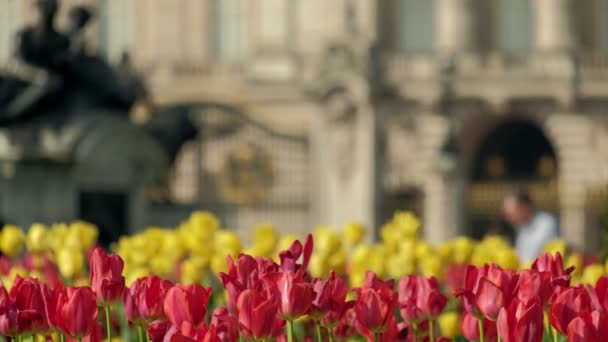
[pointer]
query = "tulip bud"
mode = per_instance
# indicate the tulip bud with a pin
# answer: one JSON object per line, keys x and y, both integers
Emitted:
{"x": 11, "y": 240}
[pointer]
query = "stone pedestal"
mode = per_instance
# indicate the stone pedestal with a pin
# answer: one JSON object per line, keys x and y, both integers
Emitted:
{"x": 343, "y": 148}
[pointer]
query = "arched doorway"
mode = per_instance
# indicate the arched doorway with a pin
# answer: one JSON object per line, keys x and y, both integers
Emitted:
{"x": 516, "y": 152}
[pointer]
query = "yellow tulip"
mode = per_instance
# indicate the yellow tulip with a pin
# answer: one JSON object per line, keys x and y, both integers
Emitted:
{"x": 161, "y": 266}
{"x": 70, "y": 262}
{"x": 204, "y": 219}
{"x": 218, "y": 264}
{"x": 86, "y": 232}
{"x": 356, "y": 279}
{"x": 390, "y": 236}
{"x": 318, "y": 266}
{"x": 449, "y": 324}
{"x": 11, "y": 240}
{"x": 192, "y": 271}
{"x": 36, "y": 240}
{"x": 57, "y": 236}
{"x": 265, "y": 239}
{"x": 592, "y": 273}
{"x": 360, "y": 254}
{"x": 337, "y": 261}
{"x": 353, "y": 233}
{"x": 397, "y": 265}
{"x": 431, "y": 266}
{"x": 576, "y": 261}
{"x": 507, "y": 258}
{"x": 132, "y": 276}
{"x": 462, "y": 248}
{"x": 556, "y": 246}
{"x": 407, "y": 222}
{"x": 227, "y": 242}
{"x": 423, "y": 250}
{"x": 326, "y": 240}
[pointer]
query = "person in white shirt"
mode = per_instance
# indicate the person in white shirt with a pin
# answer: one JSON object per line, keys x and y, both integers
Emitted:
{"x": 533, "y": 228}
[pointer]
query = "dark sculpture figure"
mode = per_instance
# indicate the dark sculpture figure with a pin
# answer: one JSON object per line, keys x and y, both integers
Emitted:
{"x": 58, "y": 67}
{"x": 60, "y": 84}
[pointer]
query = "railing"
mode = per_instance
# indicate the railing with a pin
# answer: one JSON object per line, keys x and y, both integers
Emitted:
{"x": 509, "y": 65}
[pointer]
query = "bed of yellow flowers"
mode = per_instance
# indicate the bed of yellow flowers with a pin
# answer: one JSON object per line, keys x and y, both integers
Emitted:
{"x": 196, "y": 250}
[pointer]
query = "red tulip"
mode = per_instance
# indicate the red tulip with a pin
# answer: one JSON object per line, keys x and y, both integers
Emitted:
{"x": 534, "y": 284}
{"x": 76, "y": 312}
{"x": 157, "y": 330}
{"x": 258, "y": 315}
{"x": 469, "y": 326}
{"x": 188, "y": 333}
{"x": 567, "y": 306}
{"x": 186, "y": 304}
{"x": 106, "y": 276}
{"x": 227, "y": 326}
{"x": 420, "y": 298}
{"x": 290, "y": 257}
{"x": 330, "y": 305}
{"x": 375, "y": 304}
{"x": 245, "y": 274}
{"x": 588, "y": 327}
{"x": 296, "y": 295}
{"x": 581, "y": 329}
{"x": 487, "y": 289}
{"x": 599, "y": 294}
{"x": 144, "y": 300}
{"x": 521, "y": 322}
{"x": 554, "y": 265}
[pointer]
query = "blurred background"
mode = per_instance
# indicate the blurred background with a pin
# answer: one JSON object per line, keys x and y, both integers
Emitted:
{"x": 307, "y": 112}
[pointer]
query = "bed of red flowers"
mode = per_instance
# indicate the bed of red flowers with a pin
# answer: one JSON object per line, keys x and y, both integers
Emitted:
{"x": 265, "y": 298}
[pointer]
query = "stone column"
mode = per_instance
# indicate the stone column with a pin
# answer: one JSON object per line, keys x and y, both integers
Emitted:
{"x": 455, "y": 25}
{"x": 343, "y": 149}
{"x": 572, "y": 136}
{"x": 443, "y": 207}
{"x": 553, "y": 25}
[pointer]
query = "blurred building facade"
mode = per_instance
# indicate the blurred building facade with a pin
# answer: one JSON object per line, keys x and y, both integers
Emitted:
{"x": 319, "y": 112}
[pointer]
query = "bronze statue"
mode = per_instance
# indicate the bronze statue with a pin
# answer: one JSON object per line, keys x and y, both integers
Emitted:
{"x": 61, "y": 77}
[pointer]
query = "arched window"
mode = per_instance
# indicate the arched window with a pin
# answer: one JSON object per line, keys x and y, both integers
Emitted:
{"x": 414, "y": 22}
{"x": 515, "y": 24}
{"x": 228, "y": 23}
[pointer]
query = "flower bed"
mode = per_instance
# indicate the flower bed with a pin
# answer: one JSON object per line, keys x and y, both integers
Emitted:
{"x": 199, "y": 283}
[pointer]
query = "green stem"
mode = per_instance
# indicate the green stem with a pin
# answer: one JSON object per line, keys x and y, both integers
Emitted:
{"x": 34, "y": 338}
{"x": 498, "y": 339}
{"x": 319, "y": 335}
{"x": 555, "y": 335}
{"x": 61, "y": 336}
{"x": 140, "y": 333}
{"x": 79, "y": 339}
{"x": 481, "y": 334}
{"x": 376, "y": 337}
{"x": 331, "y": 334}
{"x": 108, "y": 325}
{"x": 290, "y": 330}
{"x": 19, "y": 338}
{"x": 415, "y": 331}
{"x": 432, "y": 330}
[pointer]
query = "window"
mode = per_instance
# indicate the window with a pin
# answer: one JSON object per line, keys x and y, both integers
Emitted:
{"x": 515, "y": 24}
{"x": 415, "y": 24}
{"x": 9, "y": 25}
{"x": 115, "y": 27}
{"x": 228, "y": 23}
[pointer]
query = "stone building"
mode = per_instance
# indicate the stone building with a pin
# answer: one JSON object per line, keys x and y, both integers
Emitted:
{"x": 318, "y": 112}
